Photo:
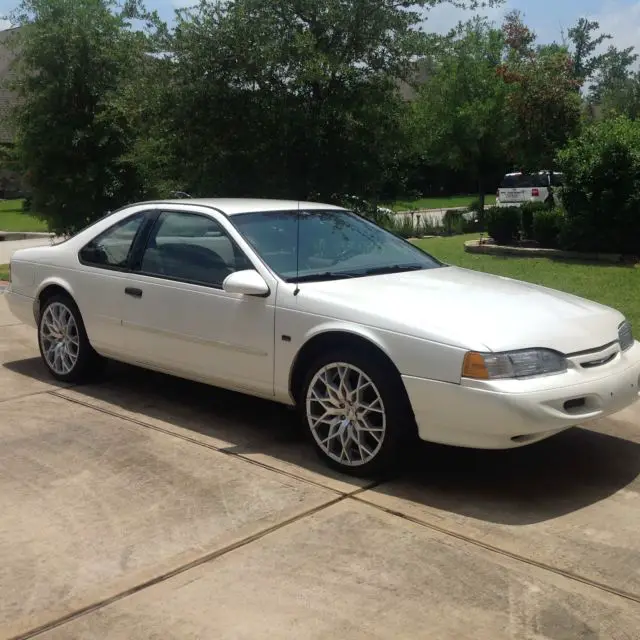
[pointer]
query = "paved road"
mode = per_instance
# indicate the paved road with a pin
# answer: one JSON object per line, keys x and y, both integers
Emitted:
{"x": 147, "y": 507}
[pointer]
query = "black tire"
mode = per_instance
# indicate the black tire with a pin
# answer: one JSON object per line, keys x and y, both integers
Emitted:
{"x": 400, "y": 427}
{"x": 88, "y": 363}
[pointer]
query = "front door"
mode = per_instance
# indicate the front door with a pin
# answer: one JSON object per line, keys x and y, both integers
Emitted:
{"x": 177, "y": 317}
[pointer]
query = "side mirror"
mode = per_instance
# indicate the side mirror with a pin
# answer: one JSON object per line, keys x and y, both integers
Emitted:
{"x": 247, "y": 283}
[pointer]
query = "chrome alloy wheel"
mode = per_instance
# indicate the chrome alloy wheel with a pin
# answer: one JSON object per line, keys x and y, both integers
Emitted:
{"x": 59, "y": 338}
{"x": 346, "y": 414}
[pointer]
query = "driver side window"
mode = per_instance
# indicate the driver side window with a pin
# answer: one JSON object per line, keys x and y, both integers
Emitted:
{"x": 190, "y": 247}
{"x": 111, "y": 249}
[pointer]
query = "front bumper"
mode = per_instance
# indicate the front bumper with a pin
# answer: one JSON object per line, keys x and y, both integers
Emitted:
{"x": 514, "y": 413}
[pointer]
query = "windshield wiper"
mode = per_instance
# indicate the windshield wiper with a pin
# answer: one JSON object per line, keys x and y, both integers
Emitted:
{"x": 319, "y": 277}
{"x": 396, "y": 268}
{"x": 341, "y": 275}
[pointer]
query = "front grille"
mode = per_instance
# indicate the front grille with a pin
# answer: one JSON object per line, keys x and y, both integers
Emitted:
{"x": 598, "y": 357}
{"x": 598, "y": 363}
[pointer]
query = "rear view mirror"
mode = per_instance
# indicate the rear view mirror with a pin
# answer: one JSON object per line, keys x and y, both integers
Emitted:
{"x": 247, "y": 283}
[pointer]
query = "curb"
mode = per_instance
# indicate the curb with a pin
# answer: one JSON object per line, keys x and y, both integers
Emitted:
{"x": 474, "y": 246}
{"x": 8, "y": 236}
{"x": 428, "y": 211}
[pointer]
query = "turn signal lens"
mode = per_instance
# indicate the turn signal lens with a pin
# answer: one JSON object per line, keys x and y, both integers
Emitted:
{"x": 475, "y": 367}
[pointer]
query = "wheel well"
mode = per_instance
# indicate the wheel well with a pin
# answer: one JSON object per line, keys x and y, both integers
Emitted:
{"x": 332, "y": 340}
{"x": 47, "y": 293}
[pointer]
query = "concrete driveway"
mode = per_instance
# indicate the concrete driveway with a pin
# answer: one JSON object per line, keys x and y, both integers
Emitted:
{"x": 148, "y": 507}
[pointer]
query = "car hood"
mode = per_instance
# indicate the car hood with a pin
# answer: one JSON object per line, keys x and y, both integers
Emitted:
{"x": 468, "y": 309}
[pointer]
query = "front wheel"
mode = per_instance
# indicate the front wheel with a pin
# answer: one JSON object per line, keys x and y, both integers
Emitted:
{"x": 357, "y": 412}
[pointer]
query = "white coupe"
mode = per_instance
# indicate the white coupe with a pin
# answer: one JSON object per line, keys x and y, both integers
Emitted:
{"x": 312, "y": 306}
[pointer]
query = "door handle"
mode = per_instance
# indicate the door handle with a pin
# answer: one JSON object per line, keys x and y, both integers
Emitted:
{"x": 133, "y": 292}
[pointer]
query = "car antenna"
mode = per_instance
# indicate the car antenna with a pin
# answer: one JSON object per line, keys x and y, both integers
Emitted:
{"x": 297, "y": 289}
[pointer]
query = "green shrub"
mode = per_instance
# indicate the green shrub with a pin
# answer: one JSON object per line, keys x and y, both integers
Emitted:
{"x": 476, "y": 220}
{"x": 428, "y": 226}
{"x": 453, "y": 222}
{"x": 546, "y": 228}
{"x": 407, "y": 226}
{"x": 476, "y": 207}
{"x": 503, "y": 224}
{"x": 601, "y": 194}
{"x": 402, "y": 226}
{"x": 27, "y": 204}
{"x": 361, "y": 207}
{"x": 472, "y": 224}
{"x": 527, "y": 212}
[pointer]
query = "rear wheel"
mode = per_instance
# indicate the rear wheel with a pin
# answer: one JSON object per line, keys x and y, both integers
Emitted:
{"x": 64, "y": 346}
{"x": 357, "y": 412}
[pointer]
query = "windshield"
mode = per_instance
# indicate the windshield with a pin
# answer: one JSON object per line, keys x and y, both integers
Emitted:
{"x": 333, "y": 244}
{"x": 524, "y": 181}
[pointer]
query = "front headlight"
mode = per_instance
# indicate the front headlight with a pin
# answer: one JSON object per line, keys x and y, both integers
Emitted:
{"x": 513, "y": 364}
{"x": 625, "y": 336}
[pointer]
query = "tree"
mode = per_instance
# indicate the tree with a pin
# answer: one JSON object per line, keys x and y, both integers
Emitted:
{"x": 518, "y": 38}
{"x": 616, "y": 86}
{"x": 584, "y": 45}
{"x": 544, "y": 100}
{"x": 601, "y": 195}
{"x": 292, "y": 98}
{"x": 621, "y": 97}
{"x": 461, "y": 112}
{"x": 603, "y": 71}
{"x": 613, "y": 73}
{"x": 73, "y": 130}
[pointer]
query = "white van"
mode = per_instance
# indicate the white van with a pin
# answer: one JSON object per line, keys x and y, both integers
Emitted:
{"x": 518, "y": 188}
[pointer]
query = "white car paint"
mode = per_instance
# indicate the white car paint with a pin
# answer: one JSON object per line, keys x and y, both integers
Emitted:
{"x": 425, "y": 321}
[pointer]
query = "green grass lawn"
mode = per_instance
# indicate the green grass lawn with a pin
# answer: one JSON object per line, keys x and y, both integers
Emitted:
{"x": 13, "y": 219}
{"x": 615, "y": 286}
{"x": 438, "y": 203}
{"x": 4, "y": 271}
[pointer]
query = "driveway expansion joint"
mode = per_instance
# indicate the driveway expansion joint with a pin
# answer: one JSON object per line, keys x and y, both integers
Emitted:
{"x": 340, "y": 496}
{"x": 569, "y": 575}
{"x": 74, "y": 615}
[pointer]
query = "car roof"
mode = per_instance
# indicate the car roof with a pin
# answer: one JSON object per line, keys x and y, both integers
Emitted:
{"x": 234, "y": 206}
{"x": 519, "y": 173}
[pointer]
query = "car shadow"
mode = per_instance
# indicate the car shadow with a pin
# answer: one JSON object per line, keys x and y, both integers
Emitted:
{"x": 524, "y": 486}
{"x": 33, "y": 369}
{"x": 563, "y": 474}
{"x": 230, "y": 422}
